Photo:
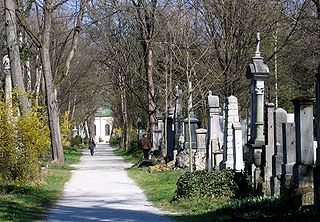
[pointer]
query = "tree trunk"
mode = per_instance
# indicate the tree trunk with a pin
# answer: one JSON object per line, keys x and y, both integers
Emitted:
{"x": 151, "y": 91}
{"x": 126, "y": 136}
{"x": 14, "y": 55}
{"x": 51, "y": 91}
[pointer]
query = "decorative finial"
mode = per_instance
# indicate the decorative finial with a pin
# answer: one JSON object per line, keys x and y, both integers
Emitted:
{"x": 257, "y": 53}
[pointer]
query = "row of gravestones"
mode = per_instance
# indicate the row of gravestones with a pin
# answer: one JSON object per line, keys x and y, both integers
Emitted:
{"x": 278, "y": 152}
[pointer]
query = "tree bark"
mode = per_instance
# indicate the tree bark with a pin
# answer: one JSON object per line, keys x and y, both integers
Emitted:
{"x": 14, "y": 55}
{"x": 51, "y": 91}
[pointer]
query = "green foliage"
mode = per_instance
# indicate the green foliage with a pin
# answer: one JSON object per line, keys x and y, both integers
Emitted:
{"x": 114, "y": 140}
{"x": 30, "y": 202}
{"x": 202, "y": 184}
{"x": 65, "y": 127}
{"x": 76, "y": 141}
{"x": 23, "y": 141}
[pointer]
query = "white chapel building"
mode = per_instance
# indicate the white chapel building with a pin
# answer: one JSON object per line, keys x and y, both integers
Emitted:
{"x": 103, "y": 125}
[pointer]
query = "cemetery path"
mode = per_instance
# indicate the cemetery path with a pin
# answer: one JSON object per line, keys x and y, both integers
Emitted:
{"x": 100, "y": 190}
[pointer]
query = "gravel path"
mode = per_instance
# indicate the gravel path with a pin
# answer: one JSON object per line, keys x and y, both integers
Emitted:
{"x": 100, "y": 190}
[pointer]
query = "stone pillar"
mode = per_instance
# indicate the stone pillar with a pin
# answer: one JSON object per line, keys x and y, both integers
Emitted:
{"x": 303, "y": 168}
{"x": 268, "y": 149}
{"x": 280, "y": 117}
{"x": 289, "y": 155}
{"x": 213, "y": 130}
{"x": 200, "y": 155}
{"x": 257, "y": 71}
{"x": 237, "y": 147}
{"x": 232, "y": 116}
{"x": 317, "y": 168}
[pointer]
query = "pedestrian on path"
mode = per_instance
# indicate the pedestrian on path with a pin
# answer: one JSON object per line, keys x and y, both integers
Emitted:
{"x": 92, "y": 145}
{"x": 145, "y": 146}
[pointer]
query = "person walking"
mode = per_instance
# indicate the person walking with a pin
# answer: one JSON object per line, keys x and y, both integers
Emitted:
{"x": 145, "y": 145}
{"x": 92, "y": 145}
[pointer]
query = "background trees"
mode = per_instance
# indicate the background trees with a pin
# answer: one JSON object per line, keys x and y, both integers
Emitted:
{"x": 132, "y": 54}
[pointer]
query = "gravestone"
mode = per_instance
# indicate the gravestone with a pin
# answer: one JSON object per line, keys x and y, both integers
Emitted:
{"x": 237, "y": 147}
{"x": 268, "y": 148}
{"x": 200, "y": 155}
{"x": 214, "y": 130}
{"x": 257, "y": 71}
{"x": 280, "y": 117}
{"x": 232, "y": 116}
{"x": 303, "y": 167}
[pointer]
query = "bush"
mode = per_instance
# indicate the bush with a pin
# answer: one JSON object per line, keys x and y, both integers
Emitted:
{"x": 202, "y": 184}
{"x": 114, "y": 141}
{"x": 23, "y": 141}
{"x": 76, "y": 141}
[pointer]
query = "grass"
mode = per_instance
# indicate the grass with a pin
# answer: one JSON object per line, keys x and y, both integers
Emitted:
{"x": 160, "y": 188}
{"x": 31, "y": 203}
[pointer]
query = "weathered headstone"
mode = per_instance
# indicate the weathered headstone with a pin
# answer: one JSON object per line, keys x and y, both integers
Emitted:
{"x": 232, "y": 116}
{"x": 268, "y": 148}
{"x": 214, "y": 131}
{"x": 237, "y": 147}
{"x": 280, "y": 117}
{"x": 303, "y": 168}
{"x": 200, "y": 155}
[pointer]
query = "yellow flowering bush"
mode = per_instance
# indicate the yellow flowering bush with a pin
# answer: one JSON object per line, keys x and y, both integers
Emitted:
{"x": 24, "y": 140}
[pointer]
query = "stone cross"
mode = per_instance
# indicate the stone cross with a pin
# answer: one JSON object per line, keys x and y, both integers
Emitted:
{"x": 257, "y": 53}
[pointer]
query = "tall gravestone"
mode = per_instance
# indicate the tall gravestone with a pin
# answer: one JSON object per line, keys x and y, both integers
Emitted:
{"x": 289, "y": 155}
{"x": 232, "y": 116}
{"x": 238, "y": 164}
{"x": 280, "y": 117}
{"x": 303, "y": 167}
{"x": 214, "y": 132}
{"x": 257, "y": 71}
{"x": 268, "y": 149}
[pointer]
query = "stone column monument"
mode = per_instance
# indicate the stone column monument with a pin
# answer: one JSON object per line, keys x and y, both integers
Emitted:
{"x": 257, "y": 71}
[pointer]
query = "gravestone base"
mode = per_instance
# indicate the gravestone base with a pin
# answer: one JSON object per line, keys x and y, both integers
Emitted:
{"x": 182, "y": 159}
{"x": 303, "y": 180}
{"x": 275, "y": 186}
{"x": 200, "y": 160}
{"x": 218, "y": 159}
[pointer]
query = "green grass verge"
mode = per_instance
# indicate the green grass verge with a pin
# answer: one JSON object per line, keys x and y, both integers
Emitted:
{"x": 31, "y": 203}
{"x": 160, "y": 188}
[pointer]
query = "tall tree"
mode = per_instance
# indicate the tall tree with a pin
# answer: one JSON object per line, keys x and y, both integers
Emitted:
{"x": 146, "y": 12}
{"x": 14, "y": 54}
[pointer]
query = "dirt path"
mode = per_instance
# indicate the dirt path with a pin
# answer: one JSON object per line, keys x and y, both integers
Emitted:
{"x": 100, "y": 190}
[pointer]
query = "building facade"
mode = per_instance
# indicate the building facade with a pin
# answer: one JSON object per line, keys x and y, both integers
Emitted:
{"x": 103, "y": 125}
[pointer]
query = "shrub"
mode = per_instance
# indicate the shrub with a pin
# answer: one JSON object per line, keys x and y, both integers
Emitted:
{"x": 202, "y": 184}
{"x": 76, "y": 141}
{"x": 23, "y": 141}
